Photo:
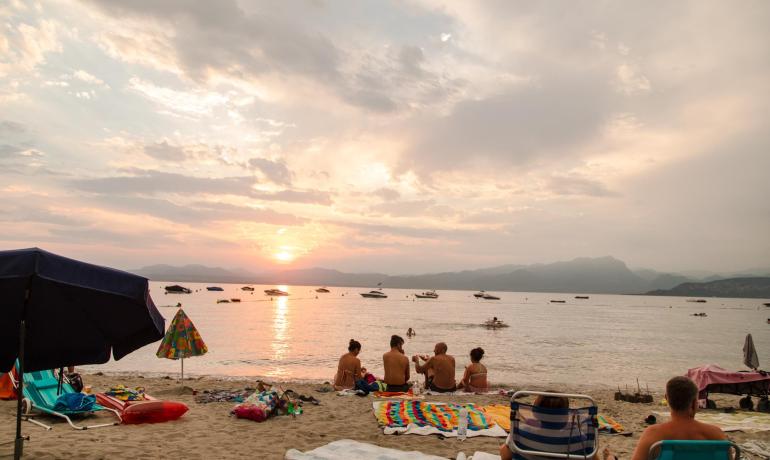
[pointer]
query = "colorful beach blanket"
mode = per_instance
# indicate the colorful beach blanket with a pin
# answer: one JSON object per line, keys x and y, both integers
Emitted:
{"x": 500, "y": 414}
{"x": 440, "y": 416}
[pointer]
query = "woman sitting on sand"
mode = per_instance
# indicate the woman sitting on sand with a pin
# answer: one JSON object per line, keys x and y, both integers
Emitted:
{"x": 475, "y": 377}
{"x": 349, "y": 368}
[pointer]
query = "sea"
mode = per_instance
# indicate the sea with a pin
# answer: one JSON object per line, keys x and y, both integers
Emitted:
{"x": 605, "y": 340}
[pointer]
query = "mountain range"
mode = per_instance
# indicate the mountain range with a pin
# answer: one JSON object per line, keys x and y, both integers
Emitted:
{"x": 582, "y": 275}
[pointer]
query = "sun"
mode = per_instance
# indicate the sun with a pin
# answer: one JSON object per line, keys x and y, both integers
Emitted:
{"x": 284, "y": 256}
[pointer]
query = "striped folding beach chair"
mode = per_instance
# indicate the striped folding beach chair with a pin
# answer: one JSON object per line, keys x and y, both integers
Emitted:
{"x": 543, "y": 433}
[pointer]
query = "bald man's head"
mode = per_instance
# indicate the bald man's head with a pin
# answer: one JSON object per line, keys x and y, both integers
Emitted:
{"x": 440, "y": 348}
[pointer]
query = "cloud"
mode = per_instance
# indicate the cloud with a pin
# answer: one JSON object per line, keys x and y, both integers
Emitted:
{"x": 11, "y": 127}
{"x": 576, "y": 185}
{"x": 166, "y": 152}
{"x": 276, "y": 171}
{"x": 152, "y": 182}
{"x": 387, "y": 194}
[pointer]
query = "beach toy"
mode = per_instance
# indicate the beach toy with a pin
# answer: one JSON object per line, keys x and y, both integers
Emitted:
{"x": 153, "y": 412}
{"x": 251, "y": 412}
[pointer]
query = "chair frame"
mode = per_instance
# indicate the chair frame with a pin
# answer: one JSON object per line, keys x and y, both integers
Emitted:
{"x": 29, "y": 405}
{"x": 516, "y": 449}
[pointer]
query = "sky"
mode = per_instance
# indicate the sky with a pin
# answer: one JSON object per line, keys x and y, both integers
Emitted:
{"x": 401, "y": 137}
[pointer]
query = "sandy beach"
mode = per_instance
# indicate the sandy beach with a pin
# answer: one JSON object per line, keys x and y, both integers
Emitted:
{"x": 207, "y": 431}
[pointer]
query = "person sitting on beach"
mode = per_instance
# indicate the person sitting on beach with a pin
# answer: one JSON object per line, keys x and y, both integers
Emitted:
{"x": 439, "y": 370}
{"x": 475, "y": 377}
{"x": 548, "y": 402}
{"x": 396, "y": 366}
{"x": 682, "y": 397}
{"x": 349, "y": 368}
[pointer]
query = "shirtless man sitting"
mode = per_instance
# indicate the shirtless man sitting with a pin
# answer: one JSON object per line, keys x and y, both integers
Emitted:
{"x": 682, "y": 396}
{"x": 439, "y": 370}
{"x": 396, "y": 366}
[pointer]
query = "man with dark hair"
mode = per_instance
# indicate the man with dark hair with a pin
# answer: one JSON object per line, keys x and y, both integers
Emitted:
{"x": 682, "y": 396}
{"x": 396, "y": 366}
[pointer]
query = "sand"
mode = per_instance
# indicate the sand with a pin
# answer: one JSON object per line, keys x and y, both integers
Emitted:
{"x": 208, "y": 432}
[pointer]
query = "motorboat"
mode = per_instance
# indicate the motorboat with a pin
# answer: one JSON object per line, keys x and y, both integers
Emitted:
{"x": 701, "y": 314}
{"x": 582, "y": 297}
{"x": 490, "y": 297}
{"x": 214, "y": 288}
{"x": 427, "y": 295}
{"x": 275, "y": 292}
{"x": 376, "y": 294}
{"x": 558, "y": 301}
{"x": 480, "y": 294}
{"x": 223, "y": 301}
{"x": 322, "y": 290}
{"x": 177, "y": 289}
{"x": 494, "y": 323}
{"x": 247, "y": 288}
{"x": 235, "y": 300}
{"x": 697, "y": 300}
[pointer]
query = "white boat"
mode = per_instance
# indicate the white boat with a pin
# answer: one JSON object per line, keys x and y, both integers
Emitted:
{"x": 427, "y": 295}
{"x": 322, "y": 290}
{"x": 490, "y": 297}
{"x": 376, "y": 294}
{"x": 494, "y": 324}
{"x": 276, "y": 292}
{"x": 480, "y": 294}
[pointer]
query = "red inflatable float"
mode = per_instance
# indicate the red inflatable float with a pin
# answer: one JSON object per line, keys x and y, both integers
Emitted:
{"x": 153, "y": 412}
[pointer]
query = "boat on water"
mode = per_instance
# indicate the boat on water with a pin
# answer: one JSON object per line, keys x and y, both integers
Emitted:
{"x": 490, "y": 297}
{"x": 247, "y": 288}
{"x": 223, "y": 301}
{"x": 701, "y": 314}
{"x": 582, "y": 297}
{"x": 494, "y": 323}
{"x": 214, "y": 288}
{"x": 276, "y": 292}
{"x": 177, "y": 289}
{"x": 235, "y": 300}
{"x": 322, "y": 290}
{"x": 376, "y": 294}
{"x": 697, "y": 300}
{"x": 558, "y": 301}
{"x": 480, "y": 294}
{"x": 427, "y": 295}
{"x": 767, "y": 304}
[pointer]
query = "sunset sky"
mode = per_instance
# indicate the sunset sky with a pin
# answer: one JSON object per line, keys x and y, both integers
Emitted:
{"x": 404, "y": 137}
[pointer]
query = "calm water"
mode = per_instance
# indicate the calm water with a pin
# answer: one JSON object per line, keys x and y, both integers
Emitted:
{"x": 607, "y": 339}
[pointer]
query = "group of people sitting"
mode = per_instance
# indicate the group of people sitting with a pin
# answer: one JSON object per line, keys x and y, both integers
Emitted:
{"x": 438, "y": 370}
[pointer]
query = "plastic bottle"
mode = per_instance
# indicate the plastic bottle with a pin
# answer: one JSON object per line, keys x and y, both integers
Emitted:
{"x": 462, "y": 426}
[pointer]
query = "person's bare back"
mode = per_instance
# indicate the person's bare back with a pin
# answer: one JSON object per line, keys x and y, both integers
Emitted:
{"x": 678, "y": 428}
{"x": 443, "y": 366}
{"x": 348, "y": 371}
{"x": 396, "y": 367}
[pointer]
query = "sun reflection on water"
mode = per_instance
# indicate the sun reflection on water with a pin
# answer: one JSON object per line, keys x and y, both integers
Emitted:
{"x": 281, "y": 337}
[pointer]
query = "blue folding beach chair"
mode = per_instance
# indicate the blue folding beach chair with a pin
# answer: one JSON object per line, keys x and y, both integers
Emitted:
{"x": 41, "y": 391}
{"x": 542, "y": 433}
{"x": 693, "y": 450}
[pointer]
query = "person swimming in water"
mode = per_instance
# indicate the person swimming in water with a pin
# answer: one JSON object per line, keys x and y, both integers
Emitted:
{"x": 410, "y": 332}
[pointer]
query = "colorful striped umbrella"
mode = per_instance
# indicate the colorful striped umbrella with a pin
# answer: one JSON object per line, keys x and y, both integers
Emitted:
{"x": 182, "y": 340}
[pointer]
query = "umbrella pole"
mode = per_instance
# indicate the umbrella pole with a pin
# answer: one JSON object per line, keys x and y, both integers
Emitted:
{"x": 18, "y": 447}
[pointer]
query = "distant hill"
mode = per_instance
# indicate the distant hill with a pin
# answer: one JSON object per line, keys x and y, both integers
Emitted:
{"x": 755, "y": 288}
{"x": 581, "y": 275}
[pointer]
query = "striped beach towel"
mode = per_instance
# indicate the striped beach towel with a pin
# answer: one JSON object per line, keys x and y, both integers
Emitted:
{"x": 557, "y": 431}
{"x": 440, "y": 416}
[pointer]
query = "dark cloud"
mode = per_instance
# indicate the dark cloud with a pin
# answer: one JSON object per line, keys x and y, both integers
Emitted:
{"x": 578, "y": 186}
{"x": 276, "y": 171}
{"x": 148, "y": 182}
{"x": 11, "y": 127}
{"x": 387, "y": 194}
{"x": 151, "y": 182}
{"x": 515, "y": 127}
{"x": 166, "y": 152}
{"x": 195, "y": 213}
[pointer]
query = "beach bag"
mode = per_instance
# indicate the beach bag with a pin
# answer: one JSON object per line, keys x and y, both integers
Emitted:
{"x": 75, "y": 381}
{"x": 251, "y": 412}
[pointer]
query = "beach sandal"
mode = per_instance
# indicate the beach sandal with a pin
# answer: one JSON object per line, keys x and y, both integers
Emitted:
{"x": 309, "y": 399}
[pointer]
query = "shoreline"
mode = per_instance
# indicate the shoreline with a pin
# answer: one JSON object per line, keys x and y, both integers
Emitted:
{"x": 208, "y": 431}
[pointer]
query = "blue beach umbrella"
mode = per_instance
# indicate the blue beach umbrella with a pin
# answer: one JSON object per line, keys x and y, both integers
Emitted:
{"x": 60, "y": 312}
